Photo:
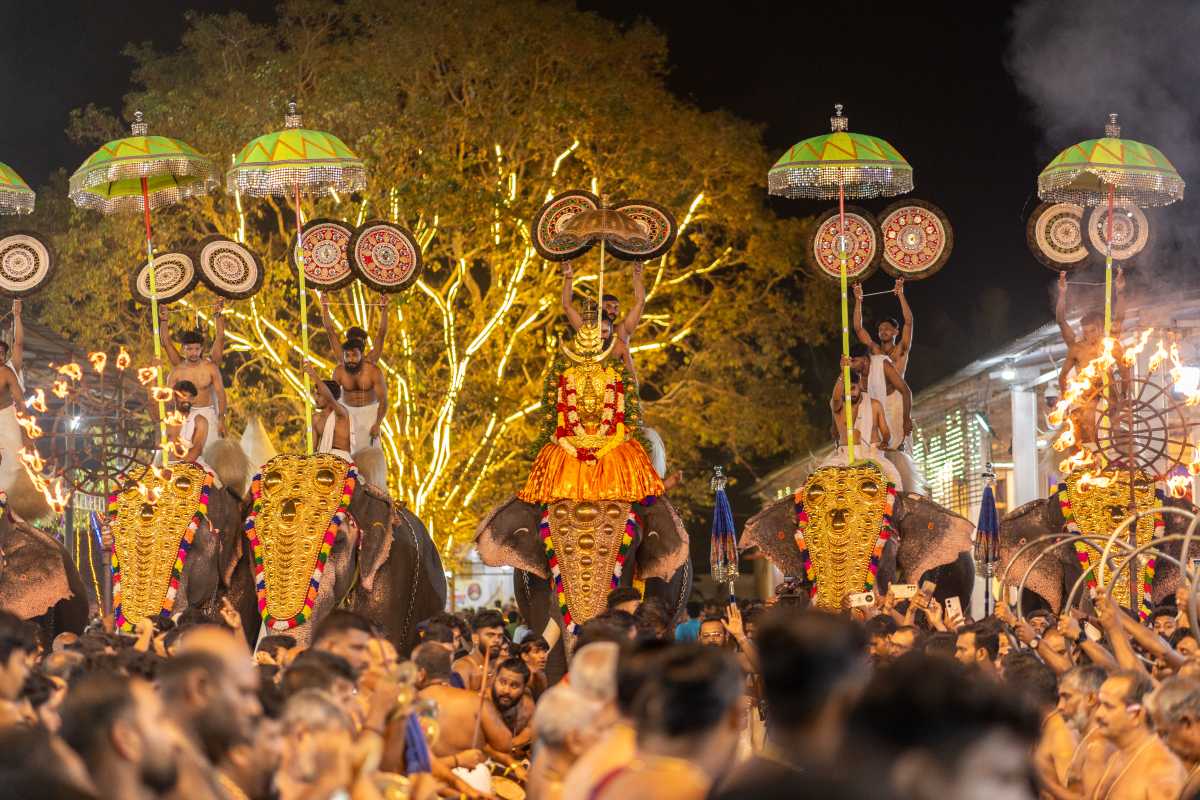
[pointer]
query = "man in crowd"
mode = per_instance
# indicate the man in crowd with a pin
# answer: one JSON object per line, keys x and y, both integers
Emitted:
{"x": 486, "y": 637}
{"x": 1175, "y": 709}
{"x": 565, "y": 722}
{"x": 624, "y": 598}
{"x": 978, "y": 646}
{"x": 1142, "y": 766}
{"x": 689, "y": 629}
{"x": 195, "y": 432}
{"x": 510, "y": 697}
{"x": 364, "y": 386}
{"x": 535, "y": 652}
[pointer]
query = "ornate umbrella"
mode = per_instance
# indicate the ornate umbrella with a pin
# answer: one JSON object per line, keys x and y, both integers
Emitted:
{"x": 1115, "y": 170}
{"x": 143, "y": 173}
{"x": 292, "y": 162}
{"x": 15, "y": 195}
{"x": 841, "y": 164}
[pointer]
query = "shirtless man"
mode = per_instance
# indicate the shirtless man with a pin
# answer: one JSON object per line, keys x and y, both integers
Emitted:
{"x": 331, "y": 423}
{"x": 14, "y": 358}
{"x": 457, "y": 712}
{"x": 515, "y": 706}
{"x": 203, "y": 373}
{"x": 611, "y": 307}
{"x": 486, "y": 637}
{"x": 364, "y": 387}
{"x": 1085, "y": 347}
{"x": 1143, "y": 767}
{"x": 189, "y": 438}
{"x": 870, "y": 429}
{"x": 897, "y": 349}
{"x": 1078, "y": 698}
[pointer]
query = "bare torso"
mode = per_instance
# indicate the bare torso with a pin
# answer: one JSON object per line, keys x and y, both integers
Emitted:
{"x": 202, "y": 373}
{"x": 898, "y": 353}
{"x": 10, "y": 389}
{"x": 839, "y": 420}
{"x": 358, "y": 388}
{"x": 457, "y": 711}
{"x": 1147, "y": 772}
{"x": 341, "y": 429}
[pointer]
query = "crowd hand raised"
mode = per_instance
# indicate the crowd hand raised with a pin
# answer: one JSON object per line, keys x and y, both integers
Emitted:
{"x": 230, "y": 615}
{"x": 898, "y": 290}
{"x": 1069, "y": 627}
{"x": 734, "y": 624}
{"x": 858, "y": 292}
{"x": 933, "y": 611}
{"x": 1025, "y": 632}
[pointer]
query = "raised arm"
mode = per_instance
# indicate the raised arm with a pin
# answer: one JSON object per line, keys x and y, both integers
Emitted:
{"x": 906, "y": 336}
{"x": 323, "y": 390}
{"x": 218, "y": 385}
{"x": 377, "y": 348}
{"x": 164, "y": 336}
{"x": 18, "y": 340}
{"x": 630, "y": 323}
{"x": 859, "y": 331}
{"x": 327, "y": 320}
{"x": 1060, "y": 311}
{"x": 568, "y": 298}
{"x": 1118, "y": 639}
{"x": 381, "y": 396}
{"x": 218, "y": 346}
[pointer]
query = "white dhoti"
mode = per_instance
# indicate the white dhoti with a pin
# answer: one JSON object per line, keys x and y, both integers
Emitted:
{"x": 899, "y": 448}
{"x": 362, "y": 419}
{"x": 187, "y": 433}
{"x": 658, "y": 451}
{"x": 10, "y": 447}
{"x": 327, "y": 432}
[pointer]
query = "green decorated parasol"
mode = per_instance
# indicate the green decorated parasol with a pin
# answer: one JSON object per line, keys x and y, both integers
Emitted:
{"x": 292, "y": 162}
{"x": 1111, "y": 170}
{"x": 841, "y": 164}
{"x": 143, "y": 173}
{"x": 15, "y": 195}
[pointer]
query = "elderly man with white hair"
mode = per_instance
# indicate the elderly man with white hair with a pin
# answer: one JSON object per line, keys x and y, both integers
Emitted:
{"x": 564, "y": 727}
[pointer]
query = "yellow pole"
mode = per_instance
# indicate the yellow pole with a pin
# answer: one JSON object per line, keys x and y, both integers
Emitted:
{"x": 842, "y": 258}
{"x": 308, "y": 437}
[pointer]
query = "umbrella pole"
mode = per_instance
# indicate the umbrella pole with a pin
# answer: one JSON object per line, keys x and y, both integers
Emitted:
{"x": 1108, "y": 279}
{"x": 308, "y": 437}
{"x": 842, "y": 255}
{"x": 600, "y": 290}
{"x": 162, "y": 409}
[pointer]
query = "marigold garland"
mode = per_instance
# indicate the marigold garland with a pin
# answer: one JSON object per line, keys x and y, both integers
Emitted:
{"x": 633, "y": 524}
{"x": 886, "y": 531}
{"x": 633, "y": 419}
{"x": 1082, "y": 547}
{"x": 314, "y": 585}
{"x": 185, "y": 547}
{"x": 568, "y": 423}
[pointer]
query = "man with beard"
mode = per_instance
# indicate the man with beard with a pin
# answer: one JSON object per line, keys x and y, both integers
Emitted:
{"x": 193, "y": 435}
{"x": 510, "y": 698}
{"x": 486, "y": 637}
{"x": 364, "y": 387}
{"x": 248, "y": 769}
{"x": 346, "y": 634}
{"x": 1078, "y": 696}
{"x": 611, "y": 307}
{"x": 1176, "y": 712}
{"x": 118, "y": 727}
{"x": 1143, "y": 767}
{"x": 203, "y": 373}
{"x": 213, "y": 696}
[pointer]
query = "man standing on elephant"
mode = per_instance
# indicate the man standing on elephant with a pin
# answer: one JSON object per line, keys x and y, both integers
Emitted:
{"x": 1082, "y": 349}
{"x": 611, "y": 306}
{"x": 204, "y": 373}
{"x": 488, "y": 634}
{"x": 364, "y": 386}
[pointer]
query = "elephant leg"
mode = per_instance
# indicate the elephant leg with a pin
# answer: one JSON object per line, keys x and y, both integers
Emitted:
{"x": 956, "y": 579}
{"x": 71, "y": 613}
{"x": 536, "y": 602}
{"x": 673, "y": 593}
{"x": 243, "y": 596}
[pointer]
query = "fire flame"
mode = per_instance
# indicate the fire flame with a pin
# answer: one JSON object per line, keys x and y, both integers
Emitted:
{"x": 60, "y": 389}
{"x": 1135, "y": 350}
{"x": 1081, "y": 460}
{"x": 1067, "y": 439}
{"x": 1158, "y": 357}
{"x": 1178, "y": 485}
{"x": 124, "y": 359}
{"x": 1089, "y": 479}
{"x": 175, "y": 418}
{"x": 72, "y": 371}
{"x": 30, "y": 424}
{"x": 38, "y": 403}
{"x": 162, "y": 394}
{"x": 99, "y": 361}
{"x": 147, "y": 374}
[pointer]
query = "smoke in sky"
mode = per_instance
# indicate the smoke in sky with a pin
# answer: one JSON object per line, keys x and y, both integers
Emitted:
{"x": 1078, "y": 60}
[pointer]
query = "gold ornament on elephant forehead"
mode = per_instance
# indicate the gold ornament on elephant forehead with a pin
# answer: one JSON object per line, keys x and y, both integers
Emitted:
{"x": 300, "y": 495}
{"x": 146, "y": 535}
{"x": 587, "y": 538}
{"x": 845, "y": 507}
{"x": 1099, "y": 504}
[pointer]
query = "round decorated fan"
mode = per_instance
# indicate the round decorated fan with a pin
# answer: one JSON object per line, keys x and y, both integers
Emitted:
{"x": 862, "y": 244}
{"x": 26, "y": 264}
{"x": 174, "y": 276}
{"x": 1130, "y": 231}
{"x": 658, "y": 224}
{"x": 325, "y": 245}
{"x": 228, "y": 268}
{"x": 1055, "y": 236}
{"x": 385, "y": 256}
{"x": 916, "y": 239}
{"x": 549, "y": 238}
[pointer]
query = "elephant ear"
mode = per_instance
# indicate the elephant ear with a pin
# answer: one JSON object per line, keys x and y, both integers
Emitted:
{"x": 508, "y": 536}
{"x": 34, "y": 578}
{"x": 930, "y": 535}
{"x": 773, "y": 531}
{"x": 664, "y": 544}
{"x": 374, "y": 514}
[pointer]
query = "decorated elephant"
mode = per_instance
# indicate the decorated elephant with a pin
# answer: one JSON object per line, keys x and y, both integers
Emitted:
{"x": 848, "y": 531}
{"x": 1095, "y": 508}
{"x": 318, "y": 538}
{"x": 171, "y": 532}
{"x": 38, "y": 581}
{"x": 568, "y": 555}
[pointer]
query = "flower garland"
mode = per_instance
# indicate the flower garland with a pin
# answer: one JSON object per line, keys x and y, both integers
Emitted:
{"x": 185, "y": 547}
{"x": 1082, "y": 547}
{"x": 260, "y": 578}
{"x": 569, "y": 425}
{"x": 633, "y": 524}
{"x": 886, "y": 531}
{"x": 549, "y": 404}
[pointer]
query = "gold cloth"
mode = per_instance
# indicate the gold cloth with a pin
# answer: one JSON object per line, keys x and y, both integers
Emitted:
{"x": 587, "y": 538}
{"x": 845, "y": 507}
{"x": 625, "y": 474}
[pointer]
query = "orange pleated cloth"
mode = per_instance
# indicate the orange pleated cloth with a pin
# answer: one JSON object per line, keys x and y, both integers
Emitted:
{"x": 623, "y": 474}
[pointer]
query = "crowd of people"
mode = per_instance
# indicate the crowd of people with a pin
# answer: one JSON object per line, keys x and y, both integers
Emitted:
{"x": 899, "y": 699}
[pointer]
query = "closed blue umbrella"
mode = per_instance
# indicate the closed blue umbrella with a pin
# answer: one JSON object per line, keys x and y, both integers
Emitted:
{"x": 987, "y": 539}
{"x": 723, "y": 561}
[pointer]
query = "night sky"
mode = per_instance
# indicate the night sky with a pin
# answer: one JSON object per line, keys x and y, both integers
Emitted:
{"x": 923, "y": 76}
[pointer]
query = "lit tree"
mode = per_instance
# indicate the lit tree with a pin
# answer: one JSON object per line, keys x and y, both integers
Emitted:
{"x": 470, "y": 115}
